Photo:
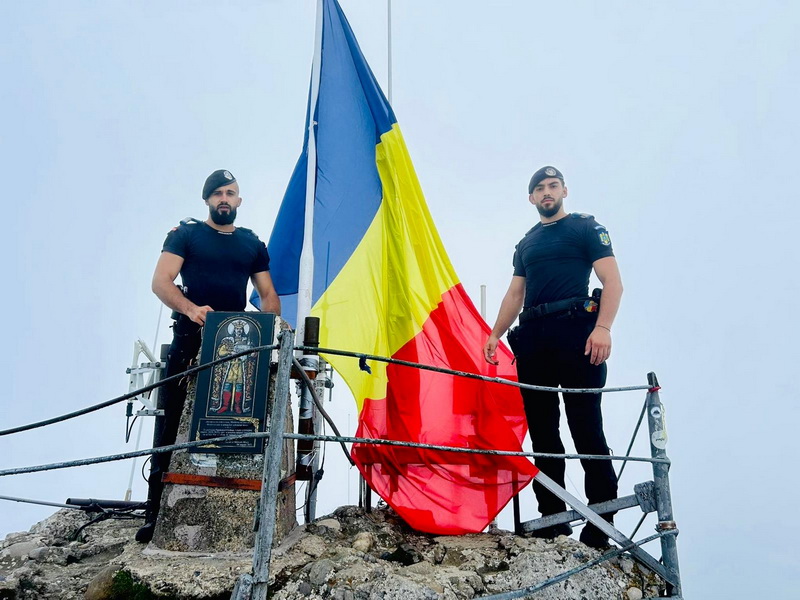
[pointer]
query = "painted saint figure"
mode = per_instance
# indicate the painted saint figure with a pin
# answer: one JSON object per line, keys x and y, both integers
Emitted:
{"x": 233, "y": 380}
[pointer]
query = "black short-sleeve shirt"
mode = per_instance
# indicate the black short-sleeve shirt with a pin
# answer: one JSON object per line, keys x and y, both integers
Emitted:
{"x": 216, "y": 265}
{"x": 556, "y": 258}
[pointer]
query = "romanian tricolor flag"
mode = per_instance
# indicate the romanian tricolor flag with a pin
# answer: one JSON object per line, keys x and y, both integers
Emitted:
{"x": 383, "y": 285}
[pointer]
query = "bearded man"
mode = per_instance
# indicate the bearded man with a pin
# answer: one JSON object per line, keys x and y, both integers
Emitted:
{"x": 563, "y": 339}
{"x": 215, "y": 260}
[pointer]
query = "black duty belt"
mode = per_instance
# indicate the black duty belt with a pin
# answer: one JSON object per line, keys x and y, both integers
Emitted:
{"x": 184, "y": 326}
{"x": 583, "y": 304}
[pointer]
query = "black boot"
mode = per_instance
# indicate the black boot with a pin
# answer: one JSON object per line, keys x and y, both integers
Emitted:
{"x": 593, "y": 537}
{"x": 154, "y": 491}
{"x": 145, "y": 533}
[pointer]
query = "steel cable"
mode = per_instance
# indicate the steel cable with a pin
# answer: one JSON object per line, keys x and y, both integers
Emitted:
{"x": 133, "y": 394}
{"x": 324, "y": 438}
{"x": 525, "y": 386}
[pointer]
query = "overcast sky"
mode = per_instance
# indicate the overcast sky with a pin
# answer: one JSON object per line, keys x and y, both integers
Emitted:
{"x": 675, "y": 124}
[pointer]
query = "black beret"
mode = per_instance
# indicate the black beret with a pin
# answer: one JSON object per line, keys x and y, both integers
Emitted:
{"x": 215, "y": 180}
{"x": 543, "y": 174}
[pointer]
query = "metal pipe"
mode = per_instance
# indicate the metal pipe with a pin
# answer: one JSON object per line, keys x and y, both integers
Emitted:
{"x": 305, "y": 283}
{"x": 666, "y": 520}
{"x": 309, "y": 364}
{"x": 389, "y": 47}
{"x": 41, "y": 502}
{"x": 310, "y": 422}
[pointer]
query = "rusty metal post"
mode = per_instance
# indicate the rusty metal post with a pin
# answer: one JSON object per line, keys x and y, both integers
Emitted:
{"x": 272, "y": 474}
{"x": 666, "y": 522}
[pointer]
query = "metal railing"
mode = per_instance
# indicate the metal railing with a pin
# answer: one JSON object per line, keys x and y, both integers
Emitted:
{"x": 255, "y": 586}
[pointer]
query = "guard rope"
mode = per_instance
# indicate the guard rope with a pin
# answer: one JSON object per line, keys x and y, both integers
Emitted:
{"x": 324, "y": 438}
{"x": 362, "y": 360}
{"x": 525, "y": 386}
{"x": 133, "y": 394}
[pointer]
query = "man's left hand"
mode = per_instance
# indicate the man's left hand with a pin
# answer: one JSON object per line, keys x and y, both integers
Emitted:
{"x": 598, "y": 345}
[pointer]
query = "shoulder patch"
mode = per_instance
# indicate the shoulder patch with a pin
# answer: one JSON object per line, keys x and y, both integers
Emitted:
{"x": 603, "y": 236}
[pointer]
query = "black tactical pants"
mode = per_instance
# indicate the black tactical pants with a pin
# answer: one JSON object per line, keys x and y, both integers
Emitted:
{"x": 550, "y": 352}
{"x": 182, "y": 351}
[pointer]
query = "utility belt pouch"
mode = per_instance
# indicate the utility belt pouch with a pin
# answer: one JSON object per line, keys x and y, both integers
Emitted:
{"x": 513, "y": 339}
{"x": 175, "y": 314}
{"x": 184, "y": 326}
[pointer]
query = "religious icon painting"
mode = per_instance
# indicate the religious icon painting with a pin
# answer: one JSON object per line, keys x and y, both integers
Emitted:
{"x": 232, "y": 395}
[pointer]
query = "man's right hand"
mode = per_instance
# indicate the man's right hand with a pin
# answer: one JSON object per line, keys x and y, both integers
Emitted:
{"x": 198, "y": 314}
{"x": 490, "y": 350}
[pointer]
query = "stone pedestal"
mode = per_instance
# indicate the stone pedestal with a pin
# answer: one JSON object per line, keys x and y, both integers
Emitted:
{"x": 202, "y": 519}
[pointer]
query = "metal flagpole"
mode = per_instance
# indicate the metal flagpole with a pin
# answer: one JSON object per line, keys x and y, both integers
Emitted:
{"x": 306, "y": 279}
{"x": 389, "y": 44}
{"x": 306, "y": 275}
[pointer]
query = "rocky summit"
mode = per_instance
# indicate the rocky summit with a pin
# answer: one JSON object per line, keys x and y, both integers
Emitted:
{"x": 349, "y": 555}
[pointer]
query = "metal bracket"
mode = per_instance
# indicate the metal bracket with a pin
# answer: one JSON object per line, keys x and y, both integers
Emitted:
{"x": 643, "y": 497}
{"x": 139, "y": 373}
{"x": 646, "y": 496}
{"x": 591, "y": 516}
{"x": 147, "y": 412}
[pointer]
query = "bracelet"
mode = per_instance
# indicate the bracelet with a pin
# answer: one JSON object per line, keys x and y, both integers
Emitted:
{"x": 604, "y": 327}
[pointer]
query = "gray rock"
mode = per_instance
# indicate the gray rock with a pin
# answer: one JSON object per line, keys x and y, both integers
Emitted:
{"x": 100, "y": 588}
{"x": 421, "y": 568}
{"x": 363, "y": 541}
{"x": 13, "y": 538}
{"x": 626, "y": 564}
{"x": 320, "y": 571}
{"x": 305, "y": 588}
{"x": 313, "y": 546}
{"x": 405, "y": 554}
{"x": 317, "y": 562}
{"x": 50, "y": 554}
{"x": 634, "y": 593}
{"x": 331, "y": 524}
{"x": 20, "y": 549}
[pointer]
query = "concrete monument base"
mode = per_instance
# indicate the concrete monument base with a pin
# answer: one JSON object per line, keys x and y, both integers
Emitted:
{"x": 200, "y": 518}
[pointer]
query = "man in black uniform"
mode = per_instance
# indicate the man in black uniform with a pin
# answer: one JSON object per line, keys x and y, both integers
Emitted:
{"x": 215, "y": 260}
{"x": 562, "y": 339}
